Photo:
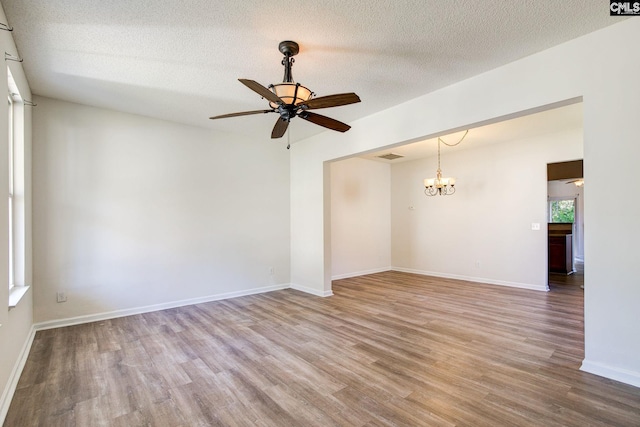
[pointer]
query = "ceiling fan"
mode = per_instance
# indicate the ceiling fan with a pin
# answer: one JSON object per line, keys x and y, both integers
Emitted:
{"x": 290, "y": 99}
{"x": 578, "y": 182}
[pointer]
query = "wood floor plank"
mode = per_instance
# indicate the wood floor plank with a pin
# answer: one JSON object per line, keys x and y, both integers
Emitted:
{"x": 388, "y": 349}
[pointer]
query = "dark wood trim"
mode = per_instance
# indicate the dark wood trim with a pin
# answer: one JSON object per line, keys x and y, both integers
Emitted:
{"x": 565, "y": 170}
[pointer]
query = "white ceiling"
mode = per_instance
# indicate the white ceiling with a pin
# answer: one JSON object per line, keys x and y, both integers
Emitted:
{"x": 180, "y": 61}
{"x": 562, "y": 119}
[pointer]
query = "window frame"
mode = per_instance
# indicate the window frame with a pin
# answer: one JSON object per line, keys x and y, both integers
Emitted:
{"x": 16, "y": 223}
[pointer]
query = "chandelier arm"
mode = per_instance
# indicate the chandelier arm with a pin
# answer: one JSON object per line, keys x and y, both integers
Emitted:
{"x": 430, "y": 191}
{"x": 449, "y": 190}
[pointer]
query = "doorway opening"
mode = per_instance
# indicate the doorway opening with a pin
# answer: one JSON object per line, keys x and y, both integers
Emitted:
{"x": 565, "y": 209}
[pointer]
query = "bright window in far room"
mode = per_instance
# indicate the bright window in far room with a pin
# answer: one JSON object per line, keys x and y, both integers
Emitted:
{"x": 562, "y": 210}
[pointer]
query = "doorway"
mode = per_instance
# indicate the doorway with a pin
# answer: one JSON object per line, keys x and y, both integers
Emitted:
{"x": 565, "y": 211}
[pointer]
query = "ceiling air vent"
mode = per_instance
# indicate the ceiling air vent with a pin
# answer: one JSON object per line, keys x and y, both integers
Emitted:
{"x": 390, "y": 156}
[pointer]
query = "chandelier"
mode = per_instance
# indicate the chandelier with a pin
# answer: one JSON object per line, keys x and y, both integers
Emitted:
{"x": 441, "y": 186}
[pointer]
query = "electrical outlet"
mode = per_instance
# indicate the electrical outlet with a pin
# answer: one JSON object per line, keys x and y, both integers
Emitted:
{"x": 477, "y": 264}
{"x": 61, "y": 296}
{"x": 535, "y": 226}
{"x": 272, "y": 271}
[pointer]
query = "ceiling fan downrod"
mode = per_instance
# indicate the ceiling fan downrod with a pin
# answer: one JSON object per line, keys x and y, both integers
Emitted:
{"x": 289, "y": 49}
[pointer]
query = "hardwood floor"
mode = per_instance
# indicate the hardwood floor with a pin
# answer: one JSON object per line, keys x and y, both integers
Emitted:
{"x": 561, "y": 280}
{"x": 387, "y": 349}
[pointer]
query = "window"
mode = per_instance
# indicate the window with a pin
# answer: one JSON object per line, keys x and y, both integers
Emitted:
{"x": 16, "y": 203}
{"x": 11, "y": 191}
{"x": 563, "y": 210}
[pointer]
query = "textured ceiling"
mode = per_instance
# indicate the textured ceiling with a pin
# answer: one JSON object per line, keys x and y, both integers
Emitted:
{"x": 180, "y": 61}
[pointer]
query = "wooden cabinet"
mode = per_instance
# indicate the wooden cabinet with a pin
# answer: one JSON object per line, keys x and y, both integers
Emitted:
{"x": 560, "y": 253}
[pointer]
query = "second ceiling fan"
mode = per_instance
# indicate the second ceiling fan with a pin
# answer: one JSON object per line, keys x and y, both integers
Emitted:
{"x": 290, "y": 99}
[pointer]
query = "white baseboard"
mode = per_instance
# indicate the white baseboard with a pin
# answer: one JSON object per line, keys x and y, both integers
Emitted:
{"x": 149, "y": 308}
{"x": 611, "y": 372}
{"x": 360, "y": 273}
{"x": 530, "y": 286}
{"x": 10, "y": 388}
{"x": 311, "y": 290}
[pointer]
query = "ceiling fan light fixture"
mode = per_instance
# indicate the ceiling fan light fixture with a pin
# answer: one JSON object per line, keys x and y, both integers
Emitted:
{"x": 291, "y": 93}
{"x": 290, "y": 99}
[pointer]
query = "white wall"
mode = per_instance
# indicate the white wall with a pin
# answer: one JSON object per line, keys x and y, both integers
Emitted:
{"x": 132, "y": 212}
{"x": 556, "y": 189}
{"x": 598, "y": 67}
{"x": 360, "y": 217}
{"x": 16, "y": 329}
{"x": 501, "y": 189}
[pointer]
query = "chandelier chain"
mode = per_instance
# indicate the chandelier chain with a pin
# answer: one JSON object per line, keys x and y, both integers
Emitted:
{"x": 453, "y": 145}
{"x": 449, "y": 145}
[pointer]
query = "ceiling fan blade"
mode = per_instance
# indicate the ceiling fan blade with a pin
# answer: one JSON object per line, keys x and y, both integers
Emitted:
{"x": 261, "y": 90}
{"x": 331, "y": 101}
{"x": 244, "y": 113}
{"x": 280, "y": 128}
{"x": 325, "y": 121}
